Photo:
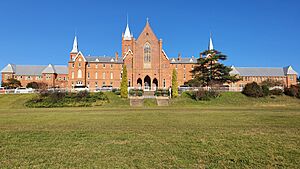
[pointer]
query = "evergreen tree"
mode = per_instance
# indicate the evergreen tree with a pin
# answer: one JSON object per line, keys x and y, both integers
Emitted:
{"x": 124, "y": 83}
{"x": 174, "y": 84}
{"x": 210, "y": 71}
{"x": 11, "y": 83}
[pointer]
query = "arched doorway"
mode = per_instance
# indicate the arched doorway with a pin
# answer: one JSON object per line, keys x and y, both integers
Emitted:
{"x": 139, "y": 83}
{"x": 147, "y": 83}
{"x": 155, "y": 84}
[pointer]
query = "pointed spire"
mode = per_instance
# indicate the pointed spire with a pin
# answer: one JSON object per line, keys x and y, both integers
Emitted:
{"x": 75, "y": 45}
{"x": 127, "y": 34}
{"x": 210, "y": 46}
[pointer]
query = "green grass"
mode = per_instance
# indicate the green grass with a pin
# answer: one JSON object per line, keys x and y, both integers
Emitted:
{"x": 232, "y": 131}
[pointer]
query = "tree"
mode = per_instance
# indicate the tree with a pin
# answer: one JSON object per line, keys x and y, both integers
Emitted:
{"x": 272, "y": 83}
{"x": 124, "y": 83}
{"x": 210, "y": 71}
{"x": 11, "y": 83}
{"x": 253, "y": 90}
{"x": 174, "y": 84}
{"x": 37, "y": 85}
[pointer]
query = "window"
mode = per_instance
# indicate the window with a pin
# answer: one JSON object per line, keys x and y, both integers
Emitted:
{"x": 164, "y": 82}
{"x": 79, "y": 74}
{"x": 72, "y": 75}
{"x": 111, "y": 83}
{"x": 103, "y": 83}
{"x": 48, "y": 76}
{"x": 88, "y": 75}
{"x": 111, "y": 66}
{"x": 184, "y": 75}
{"x": 147, "y": 53}
{"x": 121, "y": 75}
{"x": 88, "y": 65}
{"x": 96, "y": 75}
{"x": 103, "y": 75}
{"x": 96, "y": 84}
{"x": 176, "y": 66}
{"x": 292, "y": 78}
{"x": 96, "y": 65}
{"x": 183, "y": 66}
{"x": 79, "y": 64}
{"x": 111, "y": 75}
{"x": 103, "y": 65}
{"x": 73, "y": 65}
{"x": 129, "y": 83}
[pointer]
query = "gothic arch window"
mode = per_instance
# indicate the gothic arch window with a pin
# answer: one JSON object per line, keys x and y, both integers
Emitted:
{"x": 147, "y": 53}
{"x": 79, "y": 74}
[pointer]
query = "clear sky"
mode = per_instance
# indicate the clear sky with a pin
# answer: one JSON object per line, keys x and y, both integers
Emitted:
{"x": 256, "y": 33}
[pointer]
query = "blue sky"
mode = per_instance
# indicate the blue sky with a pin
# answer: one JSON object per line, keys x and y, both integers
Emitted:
{"x": 256, "y": 33}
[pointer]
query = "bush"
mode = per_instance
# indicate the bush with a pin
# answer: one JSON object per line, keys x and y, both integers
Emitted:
{"x": 277, "y": 92}
{"x": 136, "y": 92}
{"x": 253, "y": 90}
{"x": 64, "y": 99}
{"x": 162, "y": 92}
{"x": 293, "y": 91}
{"x": 205, "y": 95}
{"x": 265, "y": 90}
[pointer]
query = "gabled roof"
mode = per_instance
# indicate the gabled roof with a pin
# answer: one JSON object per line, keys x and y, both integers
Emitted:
{"x": 36, "y": 70}
{"x": 262, "y": 71}
{"x": 103, "y": 59}
{"x": 184, "y": 60}
{"x": 49, "y": 69}
{"x": 10, "y": 68}
{"x": 79, "y": 53}
{"x": 289, "y": 70}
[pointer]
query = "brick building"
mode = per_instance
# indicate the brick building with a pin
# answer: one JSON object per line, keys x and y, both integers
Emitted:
{"x": 148, "y": 67}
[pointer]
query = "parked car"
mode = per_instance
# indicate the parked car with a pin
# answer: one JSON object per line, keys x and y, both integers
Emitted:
{"x": 23, "y": 90}
{"x": 2, "y": 90}
{"x": 108, "y": 88}
{"x": 81, "y": 88}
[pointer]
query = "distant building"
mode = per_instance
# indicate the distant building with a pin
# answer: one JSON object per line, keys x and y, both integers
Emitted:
{"x": 52, "y": 75}
{"x": 148, "y": 67}
{"x": 286, "y": 75}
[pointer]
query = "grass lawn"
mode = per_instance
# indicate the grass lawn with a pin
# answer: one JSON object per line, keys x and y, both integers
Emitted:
{"x": 232, "y": 131}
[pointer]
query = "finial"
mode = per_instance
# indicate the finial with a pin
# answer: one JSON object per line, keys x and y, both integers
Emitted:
{"x": 147, "y": 19}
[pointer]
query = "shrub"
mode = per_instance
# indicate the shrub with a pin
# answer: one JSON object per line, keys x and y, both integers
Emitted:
{"x": 205, "y": 95}
{"x": 174, "y": 84}
{"x": 265, "y": 90}
{"x": 136, "y": 92}
{"x": 293, "y": 91}
{"x": 253, "y": 90}
{"x": 162, "y": 92}
{"x": 63, "y": 99}
{"x": 277, "y": 92}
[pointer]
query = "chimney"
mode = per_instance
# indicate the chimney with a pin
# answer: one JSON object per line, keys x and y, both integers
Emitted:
{"x": 200, "y": 55}
{"x": 117, "y": 56}
{"x": 179, "y": 56}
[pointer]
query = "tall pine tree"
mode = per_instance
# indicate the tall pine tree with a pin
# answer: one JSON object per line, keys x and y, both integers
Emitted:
{"x": 210, "y": 72}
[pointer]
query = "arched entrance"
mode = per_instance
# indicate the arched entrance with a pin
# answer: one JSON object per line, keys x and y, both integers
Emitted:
{"x": 139, "y": 83}
{"x": 147, "y": 83}
{"x": 155, "y": 84}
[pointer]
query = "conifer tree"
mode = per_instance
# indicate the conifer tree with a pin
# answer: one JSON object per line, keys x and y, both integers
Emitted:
{"x": 124, "y": 83}
{"x": 174, "y": 84}
{"x": 210, "y": 71}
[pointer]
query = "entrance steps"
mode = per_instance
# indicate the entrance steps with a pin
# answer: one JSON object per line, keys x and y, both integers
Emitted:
{"x": 149, "y": 94}
{"x": 139, "y": 101}
{"x": 162, "y": 101}
{"x": 136, "y": 101}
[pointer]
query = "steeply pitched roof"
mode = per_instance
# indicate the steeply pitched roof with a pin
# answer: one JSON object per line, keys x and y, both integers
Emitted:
{"x": 262, "y": 71}
{"x": 35, "y": 70}
{"x": 105, "y": 59}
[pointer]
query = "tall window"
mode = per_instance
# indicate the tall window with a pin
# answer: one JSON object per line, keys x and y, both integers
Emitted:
{"x": 147, "y": 53}
{"x": 96, "y": 75}
{"x": 79, "y": 74}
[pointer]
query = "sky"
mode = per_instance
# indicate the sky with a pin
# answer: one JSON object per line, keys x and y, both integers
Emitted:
{"x": 252, "y": 33}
